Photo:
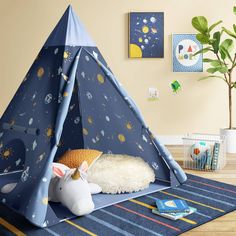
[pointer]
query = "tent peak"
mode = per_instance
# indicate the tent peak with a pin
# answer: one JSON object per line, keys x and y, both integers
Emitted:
{"x": 69, "y": 31}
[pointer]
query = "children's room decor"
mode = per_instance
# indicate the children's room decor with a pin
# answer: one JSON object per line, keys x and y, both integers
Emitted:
{"x": 146, "y": 35}
{"x": 184, "y": 46}
{"x": 71, "y": 100}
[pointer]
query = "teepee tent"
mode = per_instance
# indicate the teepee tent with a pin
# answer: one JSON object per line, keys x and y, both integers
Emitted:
{"x": 70, "y": 99}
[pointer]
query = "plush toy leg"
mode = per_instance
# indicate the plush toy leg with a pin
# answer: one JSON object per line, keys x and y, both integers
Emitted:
{"x": 8, "y": 188}
{"x": 94, "y": 188}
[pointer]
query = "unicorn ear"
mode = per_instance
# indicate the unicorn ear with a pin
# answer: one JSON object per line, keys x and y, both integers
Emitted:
{"x": 84, "y": 167}
{"x": 59, "y": 170}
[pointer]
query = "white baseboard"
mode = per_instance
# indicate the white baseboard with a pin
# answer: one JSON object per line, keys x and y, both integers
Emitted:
{"x": 171, "y": 139}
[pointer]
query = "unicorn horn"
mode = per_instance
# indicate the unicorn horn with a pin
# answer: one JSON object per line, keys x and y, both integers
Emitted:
{"x": 76, "y": 174}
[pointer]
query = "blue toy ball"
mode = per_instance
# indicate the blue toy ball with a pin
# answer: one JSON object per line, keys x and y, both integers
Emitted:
{"x": 198, "y": 150}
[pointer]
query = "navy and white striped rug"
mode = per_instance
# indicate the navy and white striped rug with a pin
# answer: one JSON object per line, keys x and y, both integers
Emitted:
{"x": 134, "y": 217}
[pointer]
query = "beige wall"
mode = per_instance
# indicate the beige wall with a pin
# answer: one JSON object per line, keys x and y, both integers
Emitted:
{"x": 200, "y": 107}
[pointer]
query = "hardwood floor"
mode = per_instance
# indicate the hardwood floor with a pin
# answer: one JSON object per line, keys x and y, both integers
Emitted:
{"x": 222, "y": 226}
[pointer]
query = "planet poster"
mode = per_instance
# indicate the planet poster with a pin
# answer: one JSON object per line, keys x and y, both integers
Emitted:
{"x": 184, "y": 47}
{"x": 146, "y": 35}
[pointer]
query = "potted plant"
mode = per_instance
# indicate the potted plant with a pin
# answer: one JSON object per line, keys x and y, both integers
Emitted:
{"x": 219, "y": 45}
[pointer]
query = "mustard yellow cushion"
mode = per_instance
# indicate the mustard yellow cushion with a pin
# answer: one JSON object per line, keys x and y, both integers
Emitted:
{"x": 74, "y": 158}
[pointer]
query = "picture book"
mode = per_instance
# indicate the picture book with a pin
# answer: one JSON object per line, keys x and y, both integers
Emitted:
{"x": 172, "y": 206}
{"x": 215, "y": 157}
{"x": 209, "y": 158}
{"x": 174, "y": 216}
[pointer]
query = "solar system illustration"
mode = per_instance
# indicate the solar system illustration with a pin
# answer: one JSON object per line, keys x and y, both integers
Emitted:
{"x": 146, "y": 35}
{"x": 184, "y": 46}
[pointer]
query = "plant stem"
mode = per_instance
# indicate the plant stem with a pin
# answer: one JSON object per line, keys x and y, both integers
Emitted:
{"x": 230, "y": 87}
{"x": 230, "y": 105}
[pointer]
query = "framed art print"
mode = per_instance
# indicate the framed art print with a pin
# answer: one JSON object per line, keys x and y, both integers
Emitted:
{"x": 146, "y": 35}
{"x": 184, "y": 46}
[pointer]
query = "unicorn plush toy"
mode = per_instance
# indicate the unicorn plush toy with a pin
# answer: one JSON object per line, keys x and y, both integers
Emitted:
{"x": 70, "y": 188}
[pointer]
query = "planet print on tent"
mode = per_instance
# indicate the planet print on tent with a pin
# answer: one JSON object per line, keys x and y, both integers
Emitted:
{"x": 146, "y": 28}
{"x": 85, "y": 131}
{"x": 89, "y": 95}
{"x": 67, "y": 56}
{"x": 77, "y": 120}
{"x": 49, "y": 132}
{"x": 121, "y": 137}
{"x": 90, "y": 120}
{"x": 40, "y": 72}
{"x": 129, "y": 125}
{"x": 7, "y": 153}
{"x": 48, "y": 98}
{"x": 100, "y": 78}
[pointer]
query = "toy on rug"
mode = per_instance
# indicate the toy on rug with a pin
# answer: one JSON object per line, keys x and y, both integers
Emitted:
{"x": 113, "y": 173}
{"x": 70, "y": 188}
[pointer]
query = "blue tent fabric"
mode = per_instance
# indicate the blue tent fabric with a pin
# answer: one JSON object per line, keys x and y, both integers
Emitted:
{"x": 70, "y": 99}
{"x": 68, "y": 32}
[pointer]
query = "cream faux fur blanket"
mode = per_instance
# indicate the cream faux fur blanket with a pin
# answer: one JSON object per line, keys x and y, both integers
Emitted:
{"x": 121, "y": 173}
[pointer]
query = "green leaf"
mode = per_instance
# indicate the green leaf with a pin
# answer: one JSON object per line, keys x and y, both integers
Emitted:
{"x": 227, "y": 44}
{"x": 235, "y": 85}
{"x": 234, "y": 10}
{"x": 210, "y": 76}
{"x": 200, "y": 23}
{"x": 216, "y": 63}
{"x": 203, "y": 38}
{"x": 207, "y": 60}
{"x": 230, "y": 33}
{"x": 214, "y": 25}
{"x": 234, "y": 26}
{"x": 215, "y": 45}
{"x": 225, "y": 47}
{"x": 222, "y": 69}
{"x": 222, "y": 53}
{"x": 211, "y": 70}
{"x": 204, "y": 50}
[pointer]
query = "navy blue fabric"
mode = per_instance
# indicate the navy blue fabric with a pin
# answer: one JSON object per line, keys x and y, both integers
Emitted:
{"x": 72, "y": 100}
{"x": 215, "y": 199}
